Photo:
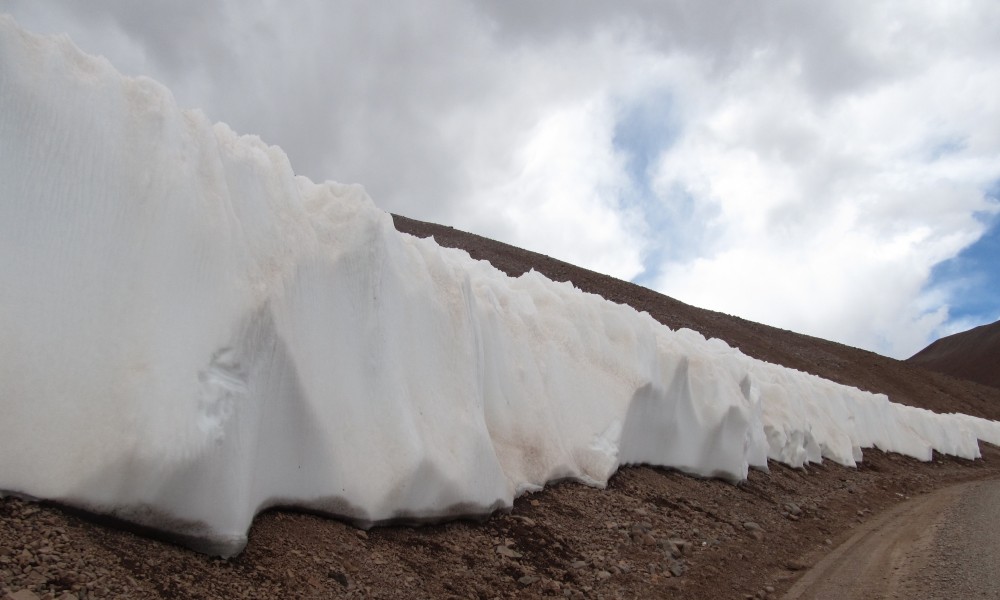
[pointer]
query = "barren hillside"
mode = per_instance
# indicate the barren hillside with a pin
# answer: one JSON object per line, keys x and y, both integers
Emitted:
{"x": 972, "y": 354}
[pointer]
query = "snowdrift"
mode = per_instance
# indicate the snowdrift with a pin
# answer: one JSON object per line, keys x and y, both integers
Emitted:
{"x": 189, "y": 333}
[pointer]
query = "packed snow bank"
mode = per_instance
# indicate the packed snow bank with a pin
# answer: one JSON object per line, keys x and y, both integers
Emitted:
{"x": 190, "y": 333}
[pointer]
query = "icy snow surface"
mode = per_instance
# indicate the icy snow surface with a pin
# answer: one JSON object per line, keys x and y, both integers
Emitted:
{"x": 189, "y": 333}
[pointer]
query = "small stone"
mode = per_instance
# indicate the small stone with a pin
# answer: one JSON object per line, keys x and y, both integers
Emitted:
{"x": 362, "y": 535}
{"x": 641, "y": 527}
{"x": 751, "y": 526}
{"x": 602, "y": 575}
{"x": 796, "y": 565}
{"x": 339, "y": 577}
{"x": 793, "y": 508}
{"x": 578, "y": 564}
{"x": 527, "y": 580}
{"x": 769, "y": 589}
{"x": 508, "y": 552}
{"x": 672, "y": 549}
{"x": 35, "y": 578}
{"x": 535, "y": 502}
{"x": 21, "y": 595}
{"x": 676, "y": 568}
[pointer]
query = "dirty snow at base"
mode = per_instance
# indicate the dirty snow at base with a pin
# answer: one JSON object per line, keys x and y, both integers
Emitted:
{"x": 190, "y": 333}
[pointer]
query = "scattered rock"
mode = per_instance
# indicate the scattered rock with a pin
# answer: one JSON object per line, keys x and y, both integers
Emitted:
{"x": 796, "y": 565}
{"x": 526, "y": 520}
{"x": 527, "y": 580}
{"x": 35, "y": 578}
{"x": 675, "y": 546}
{"x": 21, "y": 595}
{"x": 339, "y": 577}
{"x": 676, "y": 568}
{"x": 602, "y": 575}
{"x": 751, "y": 526}
{"x": 641, "y": 527}
{"x": 508, "y": 552}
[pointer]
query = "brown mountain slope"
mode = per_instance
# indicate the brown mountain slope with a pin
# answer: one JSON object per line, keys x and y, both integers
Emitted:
{"x": 972, "y": 354}
{"x": 652, "y": 533}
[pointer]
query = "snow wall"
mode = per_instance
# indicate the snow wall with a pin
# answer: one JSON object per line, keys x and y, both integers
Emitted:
{"x": 189, "y": 334}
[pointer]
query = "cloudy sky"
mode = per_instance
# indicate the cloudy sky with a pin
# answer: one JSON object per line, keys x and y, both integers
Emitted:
{"x": 830, "y": 168}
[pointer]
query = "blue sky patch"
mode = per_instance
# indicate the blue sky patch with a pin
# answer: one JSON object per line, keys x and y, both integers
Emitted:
{"x": 974, "y": 275}
{"x": 646, "y": 128}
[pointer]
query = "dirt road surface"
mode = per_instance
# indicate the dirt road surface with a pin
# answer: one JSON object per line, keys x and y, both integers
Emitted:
{"x": 944, "y": 545}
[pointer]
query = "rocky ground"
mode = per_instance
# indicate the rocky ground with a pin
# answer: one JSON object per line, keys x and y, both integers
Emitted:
{"x": 651, "y": 533}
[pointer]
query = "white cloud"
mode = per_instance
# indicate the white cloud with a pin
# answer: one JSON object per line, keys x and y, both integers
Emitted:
{"x": 832, "y": 207}
{"x": 822, "y": 158}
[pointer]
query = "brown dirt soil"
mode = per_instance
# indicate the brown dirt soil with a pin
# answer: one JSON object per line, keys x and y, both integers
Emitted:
{"x": 651, "y": 533}
{"x": 972, "y": 354}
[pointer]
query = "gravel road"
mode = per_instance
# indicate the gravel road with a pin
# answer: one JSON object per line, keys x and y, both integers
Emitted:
{"x": 944, "y": 545}
{"x": 964, "y": 557}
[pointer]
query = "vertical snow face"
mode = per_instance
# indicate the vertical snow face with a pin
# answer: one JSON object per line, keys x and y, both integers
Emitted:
{"x": 190, "y": 333}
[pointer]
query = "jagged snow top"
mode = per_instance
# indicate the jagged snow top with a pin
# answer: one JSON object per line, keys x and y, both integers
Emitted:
{"x": 189, "y": 333}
